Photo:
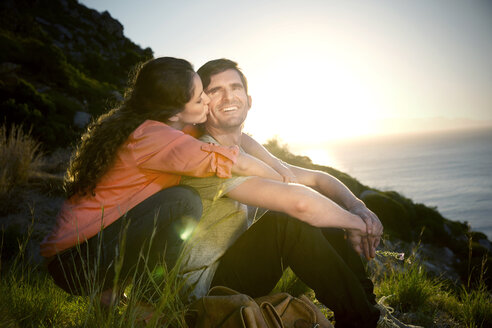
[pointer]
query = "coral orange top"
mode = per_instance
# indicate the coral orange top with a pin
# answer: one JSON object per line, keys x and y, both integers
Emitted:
{"x": 153, "y": 158}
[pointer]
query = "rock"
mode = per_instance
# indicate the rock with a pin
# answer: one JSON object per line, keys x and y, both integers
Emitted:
{"x": 486, "y": 244}
{"x": 117, "y": 95}
{"x": 81, "y": 119}
{"x": 439, "y": 261}
{"x": 111, "y": 25}
{"x": 64, "y": 31}
{"x": 9, "y": 68}
{"x": 42, "y": 21}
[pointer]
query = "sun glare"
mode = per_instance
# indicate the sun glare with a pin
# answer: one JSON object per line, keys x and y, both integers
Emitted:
{"x": 311, "y": 103}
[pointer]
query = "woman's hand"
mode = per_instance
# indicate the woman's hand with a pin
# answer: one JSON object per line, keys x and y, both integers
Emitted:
{"x": 287, "y": 175}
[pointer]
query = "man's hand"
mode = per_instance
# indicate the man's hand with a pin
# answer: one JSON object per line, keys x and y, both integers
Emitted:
{"x": 285, "y": 172}
{"x": 355, "y": 238}
{"x": 374, "y": 229}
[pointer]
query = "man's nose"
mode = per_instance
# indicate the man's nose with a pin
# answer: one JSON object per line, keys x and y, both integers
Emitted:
{"x": 228, "y": 94}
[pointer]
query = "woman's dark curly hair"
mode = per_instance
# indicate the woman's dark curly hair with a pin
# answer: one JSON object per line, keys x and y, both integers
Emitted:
{"x": 158, "y": 90}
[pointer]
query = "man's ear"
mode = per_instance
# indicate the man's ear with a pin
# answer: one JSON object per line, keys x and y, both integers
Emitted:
{"x": 249, "y": 102}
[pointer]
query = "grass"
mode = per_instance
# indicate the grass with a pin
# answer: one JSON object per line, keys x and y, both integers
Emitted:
{"x": 29, "y": 298}
{"x": 19, "y": 156}
{"x": 420, "y": 298}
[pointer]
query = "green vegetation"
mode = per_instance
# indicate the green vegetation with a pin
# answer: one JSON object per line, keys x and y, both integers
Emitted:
{"x": 431, "y": 301}
{"x": 58, "y": 58}
{"x": 29, "y": 298}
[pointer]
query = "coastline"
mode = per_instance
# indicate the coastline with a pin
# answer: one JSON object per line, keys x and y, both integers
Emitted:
{"x": 448, "y": 171}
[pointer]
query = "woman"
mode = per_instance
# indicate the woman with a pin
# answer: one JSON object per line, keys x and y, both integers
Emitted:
{"x": 123, "y": 177}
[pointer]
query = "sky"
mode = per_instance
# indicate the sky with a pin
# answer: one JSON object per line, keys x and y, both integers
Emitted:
{"x": 329, "y": 70}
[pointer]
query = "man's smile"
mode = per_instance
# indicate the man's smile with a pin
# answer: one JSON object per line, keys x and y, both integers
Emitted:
{"x": 230, "y": 108}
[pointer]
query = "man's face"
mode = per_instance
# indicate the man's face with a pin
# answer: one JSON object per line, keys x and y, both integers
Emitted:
{"x": 229, "y": 103}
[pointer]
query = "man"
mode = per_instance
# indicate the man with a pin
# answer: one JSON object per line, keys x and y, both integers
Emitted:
{"x": 228, "y": 250}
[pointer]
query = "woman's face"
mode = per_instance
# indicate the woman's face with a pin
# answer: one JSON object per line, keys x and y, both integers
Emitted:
{"x": 195, "y": 110}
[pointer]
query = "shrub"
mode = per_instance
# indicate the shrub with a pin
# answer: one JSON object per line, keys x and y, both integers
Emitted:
{"x": 19, "y": 156}
{"x": 476, "y": 309}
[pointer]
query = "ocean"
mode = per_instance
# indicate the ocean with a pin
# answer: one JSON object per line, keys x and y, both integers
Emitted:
{"x": 451, "y": 171}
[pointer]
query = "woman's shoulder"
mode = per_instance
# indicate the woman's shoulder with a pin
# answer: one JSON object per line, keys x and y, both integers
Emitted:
{"x": 151, "y": 127}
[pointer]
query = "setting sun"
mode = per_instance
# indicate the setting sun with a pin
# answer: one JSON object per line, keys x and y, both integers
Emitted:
{"x": 322, "y": 99}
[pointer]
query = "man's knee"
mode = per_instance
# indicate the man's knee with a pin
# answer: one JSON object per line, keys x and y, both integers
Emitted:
{"x": 289, "y": 226}
{"x": 191, "y": 200}
{"x": 180, "y": 199}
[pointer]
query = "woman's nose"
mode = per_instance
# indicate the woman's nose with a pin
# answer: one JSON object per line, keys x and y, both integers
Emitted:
{"x": 206, "y": 99}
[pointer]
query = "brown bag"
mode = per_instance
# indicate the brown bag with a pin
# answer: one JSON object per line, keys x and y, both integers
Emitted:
{"x": 226, "y": 308}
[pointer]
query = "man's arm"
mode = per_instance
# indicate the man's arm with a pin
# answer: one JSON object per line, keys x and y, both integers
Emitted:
{"x": 254, "y": 148}
{"x": 334, "y": 189}
{"x": 323, "y": 182}
{"x": 326, "y": 184}
{"x": 250, "y": 166}
{"x": 300, "y": 202}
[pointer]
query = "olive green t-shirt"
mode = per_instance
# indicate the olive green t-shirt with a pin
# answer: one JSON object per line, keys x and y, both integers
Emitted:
{"x": 222, "y": 222}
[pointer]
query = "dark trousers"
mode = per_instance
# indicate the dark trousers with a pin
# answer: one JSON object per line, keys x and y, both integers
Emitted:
{"x": 321, "y": 258}
{"x": 151, "y": 232}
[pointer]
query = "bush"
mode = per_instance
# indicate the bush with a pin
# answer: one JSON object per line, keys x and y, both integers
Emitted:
{"x": 19, "y": 156}
{"x": 476, "y": 309}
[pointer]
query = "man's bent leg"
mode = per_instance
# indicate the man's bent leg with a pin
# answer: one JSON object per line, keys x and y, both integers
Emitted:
{"x": 254, "y": 264}
{"x": 336, "y": 238}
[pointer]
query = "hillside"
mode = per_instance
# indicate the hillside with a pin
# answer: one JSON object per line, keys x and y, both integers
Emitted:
{"x": 60, "y": 64}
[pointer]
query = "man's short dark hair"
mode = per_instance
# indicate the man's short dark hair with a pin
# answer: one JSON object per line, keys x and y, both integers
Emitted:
{"x": 217, "y": 66}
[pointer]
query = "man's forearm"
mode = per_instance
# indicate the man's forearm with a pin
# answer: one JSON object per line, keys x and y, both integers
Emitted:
{"x": 298, "y": 201}
{"x": 327, "y": 185}
{"x": 255, "y": 149}
{"x": 251, "y": 166}
{"x": 334, "y": 189}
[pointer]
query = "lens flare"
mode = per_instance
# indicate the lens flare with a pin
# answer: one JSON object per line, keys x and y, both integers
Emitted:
{"x": 187, "y": 228}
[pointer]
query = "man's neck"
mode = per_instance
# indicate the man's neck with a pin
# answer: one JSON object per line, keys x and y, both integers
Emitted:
{"x": 225, "y": 137}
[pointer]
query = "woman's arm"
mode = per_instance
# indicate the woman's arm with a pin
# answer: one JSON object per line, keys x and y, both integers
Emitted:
{"x": 169, "y": 150}
{"x": 255, "y": 149}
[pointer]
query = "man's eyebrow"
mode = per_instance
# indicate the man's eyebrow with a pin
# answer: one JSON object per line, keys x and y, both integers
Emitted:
{"x": 234, "y": 85}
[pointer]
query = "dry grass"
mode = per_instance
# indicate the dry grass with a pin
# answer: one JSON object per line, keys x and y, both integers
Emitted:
{"x": 19, "y": 156}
